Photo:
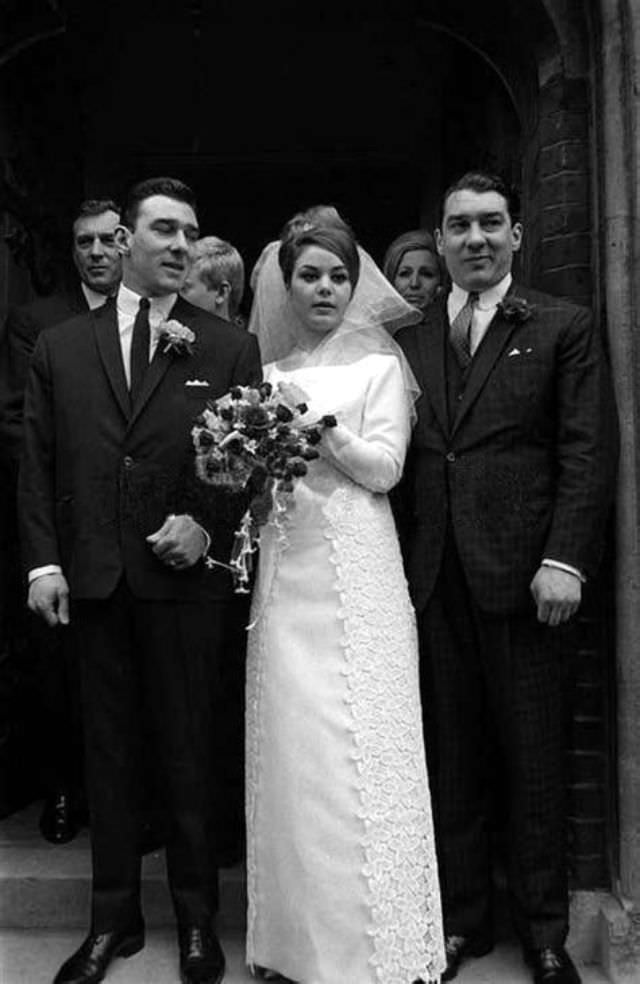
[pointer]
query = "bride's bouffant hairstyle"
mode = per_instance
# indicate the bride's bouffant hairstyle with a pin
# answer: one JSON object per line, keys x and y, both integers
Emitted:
{"x": 315, "y": 215}
{"x": 336, "y": 239}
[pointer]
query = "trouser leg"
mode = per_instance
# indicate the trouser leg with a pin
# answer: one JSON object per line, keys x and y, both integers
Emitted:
{"x": 526, "y": 686}
{"x": 454, "y": 711}
{"x": 181, "y": 652}
{"x": 110, "y": 682}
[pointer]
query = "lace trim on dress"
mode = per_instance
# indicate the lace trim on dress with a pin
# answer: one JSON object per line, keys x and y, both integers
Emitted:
{"x": 379, "y": 627}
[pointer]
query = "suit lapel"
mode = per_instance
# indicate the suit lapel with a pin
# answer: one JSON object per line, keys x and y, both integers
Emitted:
{"x": 431, "y": 341}
{"x": 490, "y": 350}
{"x": 158, "y": 367}
{"x": 105, "y": 327}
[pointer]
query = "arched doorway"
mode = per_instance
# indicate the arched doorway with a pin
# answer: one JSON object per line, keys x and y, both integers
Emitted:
{"x": 371, "y": 113}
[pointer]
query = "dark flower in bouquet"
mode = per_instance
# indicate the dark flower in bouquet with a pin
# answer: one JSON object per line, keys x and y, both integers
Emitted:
{"x": 256, "y": 440}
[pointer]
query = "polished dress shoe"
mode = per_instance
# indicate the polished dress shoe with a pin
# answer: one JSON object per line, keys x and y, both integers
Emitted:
{"x": 89, "y": 963}
{"x": 552, "y": 965}
{"x": 458, "y": 948}
{"x": 201, "y": 956}
{"x": 61, "y": 817}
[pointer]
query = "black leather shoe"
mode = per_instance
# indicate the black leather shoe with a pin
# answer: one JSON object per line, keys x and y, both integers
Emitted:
{"x": 552, "y": 965}
{"x": 89, "y": 963}
{"x": 201, "y": 956}
{"x": 61, "y": 817}
{"x": 458, "y": 948}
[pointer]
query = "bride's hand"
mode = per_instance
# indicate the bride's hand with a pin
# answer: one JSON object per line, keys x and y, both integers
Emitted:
{"x": 292, "y": 394}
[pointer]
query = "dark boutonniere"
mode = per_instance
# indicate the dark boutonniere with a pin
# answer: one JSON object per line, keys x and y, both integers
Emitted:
{"x": 176, "y": 337}
{"x": 517, "y": 310}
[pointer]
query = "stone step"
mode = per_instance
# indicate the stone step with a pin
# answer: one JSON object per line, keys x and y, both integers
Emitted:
{"x": 44, "y": 886}
{"x": 33, "y": 956}
{"x": 44, "y": 907}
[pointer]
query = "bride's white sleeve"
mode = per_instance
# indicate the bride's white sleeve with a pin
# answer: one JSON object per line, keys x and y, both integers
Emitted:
{"x": 374, "y": 457}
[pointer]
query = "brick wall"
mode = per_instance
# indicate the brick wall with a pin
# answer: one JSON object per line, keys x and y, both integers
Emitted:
{"x": 559, "y": 258}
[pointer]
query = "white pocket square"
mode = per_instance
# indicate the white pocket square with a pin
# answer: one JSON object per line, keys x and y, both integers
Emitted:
{"x": 196, "y": 382}
{"x": 514, "y": 351}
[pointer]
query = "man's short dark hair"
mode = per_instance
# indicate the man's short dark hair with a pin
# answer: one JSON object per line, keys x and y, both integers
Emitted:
{"x": 95, "y": 206}
{"x": 481, "y": 182}
{"x": 169, "y": 187}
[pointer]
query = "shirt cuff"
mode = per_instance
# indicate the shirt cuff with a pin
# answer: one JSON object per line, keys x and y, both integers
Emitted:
{"x": 564, "y": 567}
{"x": 207, "y": 540}
{"x": 41, "y": 571}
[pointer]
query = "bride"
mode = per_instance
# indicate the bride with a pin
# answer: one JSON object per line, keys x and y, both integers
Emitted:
{"x": 342, "y": 876}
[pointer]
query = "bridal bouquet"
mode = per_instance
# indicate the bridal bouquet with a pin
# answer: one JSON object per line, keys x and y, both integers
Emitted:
{"x": 255, "y": 440}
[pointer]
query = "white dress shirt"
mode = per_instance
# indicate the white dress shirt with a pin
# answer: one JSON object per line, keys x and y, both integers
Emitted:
{"x": 484, "y": 310}
{"x": 127, "y": 304}
{"x": 483, "y": 313}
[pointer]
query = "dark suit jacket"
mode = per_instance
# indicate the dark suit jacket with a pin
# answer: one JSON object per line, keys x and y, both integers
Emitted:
{"x": 96, "y": 477}
{"x": 22, "y": 328}
{"x": 527, "y": 469}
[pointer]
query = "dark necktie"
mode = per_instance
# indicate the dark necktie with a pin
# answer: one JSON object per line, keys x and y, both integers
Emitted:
{"x": 139, "y": 349}
{"x": 460, "y": 330}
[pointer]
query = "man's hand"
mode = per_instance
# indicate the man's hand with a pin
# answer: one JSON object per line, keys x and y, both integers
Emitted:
{"x": 179, "y": 543}
{"x": 557, "y": 595}
{"x": 49, "y": 598}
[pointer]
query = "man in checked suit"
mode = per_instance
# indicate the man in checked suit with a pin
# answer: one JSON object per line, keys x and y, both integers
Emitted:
{"x": 110, "y": 522}
{"x": 504, "y": 501}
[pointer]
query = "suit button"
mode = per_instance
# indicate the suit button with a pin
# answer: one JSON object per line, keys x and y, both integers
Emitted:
{"x": 451, "y": 456}
{"x": 128, "y": 462}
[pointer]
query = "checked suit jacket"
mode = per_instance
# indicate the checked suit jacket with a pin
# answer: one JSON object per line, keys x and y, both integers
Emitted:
{"x": 97, "y": 475}
{"x": 522, "y": 468}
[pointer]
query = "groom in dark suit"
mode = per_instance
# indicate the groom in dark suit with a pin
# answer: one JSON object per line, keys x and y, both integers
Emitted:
{"x": 504, "y": 502}
{"x": 114, "y": 535}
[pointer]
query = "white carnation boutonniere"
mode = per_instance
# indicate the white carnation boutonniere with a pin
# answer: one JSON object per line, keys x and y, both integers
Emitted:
{"x": 176, "y": 337}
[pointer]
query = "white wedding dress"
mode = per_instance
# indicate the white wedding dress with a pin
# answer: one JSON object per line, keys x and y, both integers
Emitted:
{"x": 341, "y": 866}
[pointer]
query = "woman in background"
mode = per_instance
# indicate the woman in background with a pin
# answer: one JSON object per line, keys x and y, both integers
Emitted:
{"x": 412, "y": 265}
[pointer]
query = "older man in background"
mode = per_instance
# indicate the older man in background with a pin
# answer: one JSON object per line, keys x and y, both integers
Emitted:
{"x": 50, "y": 657}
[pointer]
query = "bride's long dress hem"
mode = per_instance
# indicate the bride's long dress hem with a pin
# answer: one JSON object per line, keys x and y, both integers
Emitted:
{"x": 341, "y": 868}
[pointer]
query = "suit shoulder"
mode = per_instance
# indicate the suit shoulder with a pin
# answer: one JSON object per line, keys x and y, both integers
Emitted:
{"x": 551, "y": 306}
{"x": 406, "y": 337}
{"x": 212, "y": 330}
{"x": 65, "y": 330}
{"x": 46, "y": 312}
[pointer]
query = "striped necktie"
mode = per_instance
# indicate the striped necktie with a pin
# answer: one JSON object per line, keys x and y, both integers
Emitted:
{"x": 460, "y": 330}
